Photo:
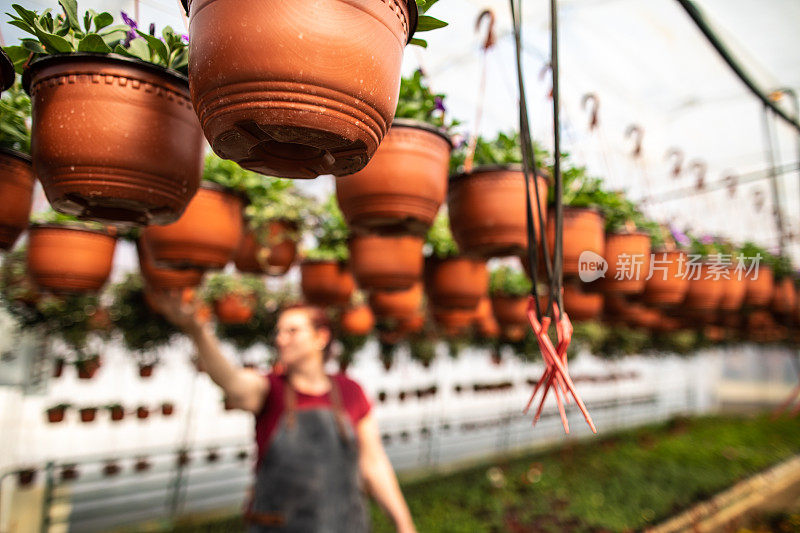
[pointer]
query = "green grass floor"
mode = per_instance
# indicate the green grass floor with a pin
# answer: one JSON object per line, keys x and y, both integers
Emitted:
{"x": 622, "y": 482}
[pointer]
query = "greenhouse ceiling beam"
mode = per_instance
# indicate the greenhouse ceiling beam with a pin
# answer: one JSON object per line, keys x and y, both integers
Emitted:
{"x": 716, "y": 42}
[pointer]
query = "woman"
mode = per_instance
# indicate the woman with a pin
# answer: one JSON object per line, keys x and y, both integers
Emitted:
{"x": 317, "y": 440}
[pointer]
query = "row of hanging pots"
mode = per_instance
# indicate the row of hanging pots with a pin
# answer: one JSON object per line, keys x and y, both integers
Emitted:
{"x": 326, "y": 283}
{"x": 146, "y": 176}
{"x": 290, "y": 113}
{"x": 274, "y": 257}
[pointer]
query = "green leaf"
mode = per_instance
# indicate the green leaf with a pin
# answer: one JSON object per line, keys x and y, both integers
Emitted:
{"x": 102, "y": 20}
{"x": 23, "y": 26}
{"x": 427, "y": 23}
{"x": 54, "y": 43}
{"x": 18, "y": 55}
{"x": 70, "y": 8}
{"x": 425, "y": 5}
{"x": 156, "y": 45}
{"x": 87, "y": 20}
{"x": 93, "y": 43}
{"x": 138, "y": 48}
{"x": 112, "y": 38}
{"x": 32, "y": 45}
{"x": 419, "y": 42}
{"x": 24, "y": 14}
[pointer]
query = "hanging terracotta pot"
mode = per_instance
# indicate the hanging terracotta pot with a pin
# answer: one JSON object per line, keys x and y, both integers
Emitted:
{"x": 67, "y": 258}
{"x": 87, "y": 368}
{"x": 16, "y": 190}
{"x": 784, "y": 296}
{"x": 326, "y": 282}
{"x": 390, "y": 263}
{"x": 234, "y": 308}
{"x": 88, "y": 414}
{"x": 397, "y": 304}
{"x": 167, "y": 409}
{"x": 485, "y": 323}
{"x": 668, "y": 285}
{"x": 760, "y": 287}
{"x": 7, "y": 73}
{"x": 358, "y": 320}
{"x": 142, "y": 412}
{"x": 403, "y": 185}
{"x": 487, "y": 210}
{"x": 412, "y": 324}
{"x": 117, "y": 413}
{"x": 704, "y": 295}
{"x": 733, "y": 293}
{"x": 274, "y": 257}
{"x": 56, "y": 414}
{"x": 510, "y": 310}
{"x": 205, "y": 237}
{"x": 113, "y": 138}
{"x": 313, "y": 94}
{"x": 165, "y": 278}
{"x": 454, "y": 322}
{"x": 514, "y": 333}
{"x": 584, "y": 230}
{"x": 628, "y": 256}
{"x": 581, "y": 305}
{"x": 146, "y": 371}
{"x": 456, "y": 282}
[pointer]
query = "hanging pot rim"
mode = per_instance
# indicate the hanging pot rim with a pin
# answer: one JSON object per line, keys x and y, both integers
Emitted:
{"x": 74, "y": 226}
{"x": 424, "y": 126}
{"x": 17, "y": 154}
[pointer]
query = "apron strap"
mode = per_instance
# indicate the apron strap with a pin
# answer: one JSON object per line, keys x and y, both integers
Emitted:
{"x": 338, "y": 409}
{"x": 289, "y": 404}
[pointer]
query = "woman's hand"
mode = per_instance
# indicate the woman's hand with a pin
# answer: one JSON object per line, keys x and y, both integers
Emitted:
{"x": 180, "y": 307}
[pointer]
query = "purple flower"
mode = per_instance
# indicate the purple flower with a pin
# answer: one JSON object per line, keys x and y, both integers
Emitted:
{"x": 185, "y": 37}
{"x": 440, "y": 104}
{"x": 152, "y": 28}
{"x": 707, "y": 239}
{"x": 680, "y": 237}
{"x": 129, "y": 21}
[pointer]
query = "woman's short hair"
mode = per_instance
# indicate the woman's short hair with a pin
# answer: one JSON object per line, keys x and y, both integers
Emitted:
{"x": 319, "y": 320}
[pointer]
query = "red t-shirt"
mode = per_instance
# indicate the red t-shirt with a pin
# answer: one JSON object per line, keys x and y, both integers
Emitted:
{"x": 354, "y": 401}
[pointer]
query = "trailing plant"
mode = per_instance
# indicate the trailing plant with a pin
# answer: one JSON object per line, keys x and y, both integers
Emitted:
{"x": 440, "y": 239}
{"x": 426, "y": 22}
{"x": 349, "y": 346}
{"x": 751, "y": 252}
{"x": 331, "y": 233}
{"x": 422, "y": 349}
{"x": 781, "y": 266}
{"x": 142, "y": 329}
{"x": 705, "y": 246}
{"x": 418, "y": 102}
{"x": 508, "y": 281}
{"x": 92, "y": 32}
{"x": 15, "y": 116}
{"x": 505, "y": 149}
{"x": 54, "y": 217}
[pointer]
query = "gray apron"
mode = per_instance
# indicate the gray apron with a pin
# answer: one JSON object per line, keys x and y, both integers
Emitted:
{"x": 308, "y": 480}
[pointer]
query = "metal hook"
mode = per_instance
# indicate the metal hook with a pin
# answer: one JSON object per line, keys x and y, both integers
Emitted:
{"x": 758, "y": 199}
{"x": 638, "y": 133}
{"x": 676, "y": 156}
{"x": 731, "y": 181}
{"x": 593, "y": 102}
{"x": 699, "y": 167}
{"x": 547, "y": 67}
{"x": 491, "y": 38}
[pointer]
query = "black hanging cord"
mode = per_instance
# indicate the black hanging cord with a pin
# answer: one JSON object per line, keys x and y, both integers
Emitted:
{"x": 557, "y": 281}
{"x": 771, "y": 150}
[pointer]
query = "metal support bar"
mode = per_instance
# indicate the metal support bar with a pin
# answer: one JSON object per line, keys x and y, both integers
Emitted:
{"x": 773, "y": 181}
{"x": 723, "y": 51}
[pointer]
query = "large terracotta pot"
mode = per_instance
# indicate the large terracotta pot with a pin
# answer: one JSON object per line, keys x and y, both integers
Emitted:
{"x": 667, "y": 286}
{"x": 628, "y": 256}
{"x": 487, "y": 211}
{"x": 326, "y": 282}
{"x": 733, "y": 293}
{"x": 403, "y": 185}
{"x": 234, "y": 308}
{"x": 114, "y": 138}
{"x": 274, "y": 258}
{"x": 313, "y": 94}
{"x": 399, "y": 305}
{"x": 759, "y": 287}
{"x": 704, "y": 295}
{"x": 165, "y": 278}
{"x": 510, "y": 310}
{"x": 584, "y": 230}
{"x": 784, "y": 296}
{"x": 357, "y": 320}
{"x": 457, "y": 282}
{"x": 16, "y": 190}
{"x": 64, "y": 258}
{"x": 581, "y": 305}
{"x": 389, "y": 263}
{"x": 206, "y": 236}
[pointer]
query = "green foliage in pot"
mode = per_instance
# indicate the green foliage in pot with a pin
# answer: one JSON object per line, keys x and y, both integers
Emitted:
{"x": 623, "y": 340}
{"x": 426, "y": 22}
{"x": 590, "y": 335}
{"x": 706, "y": 246}
{"x": 418, "y": 102}
{"x": 682, "y": 342}
{"x": 66, "y": 317}
{"x": 54, "y": 217}
{"x": 331, "y": 233}
{"x": 422, "y": 349}
{"x": 505, "y": 149}
{"x": 751, "y": 252}
{"x": 218, "y": 285}
{"x": 508, "y": 281}
{"x": 142, "y": 329}
{"x": 92, "y": 32}
{"x": 15, "y": 116}
{"x": 781, "y": 266}
{"x": 439, "y": 239}
{"x": 350, "y": 345}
